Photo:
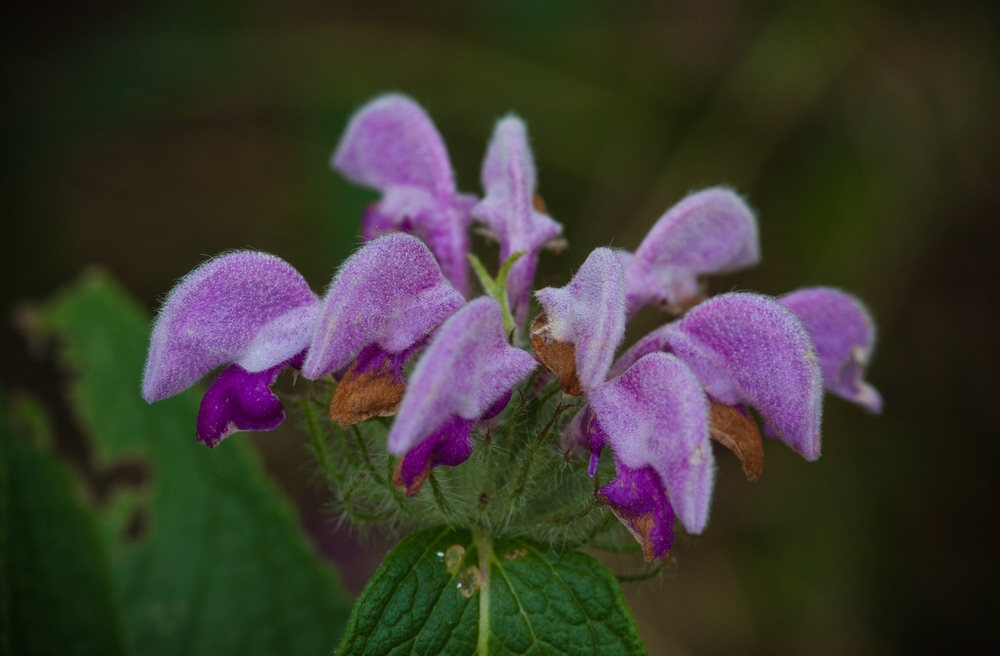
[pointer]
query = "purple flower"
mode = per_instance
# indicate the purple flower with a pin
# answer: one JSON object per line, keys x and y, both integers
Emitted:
{"x": 465, "y": 375}
{"x": 748, "y": 349}
{"x": 391, "y": 145}
{"x": 639, "y": 501}
{"x": 382, "y": 305}
{"x": 710, "y": 231}
{"x": 511, "y": 208}
{"x": 654, "y": 413}
{"x": 655, "y": 417}
{"x": 246, "y": 309}
{"x": 843, "y": 333}
{"x": 583, "y": 323}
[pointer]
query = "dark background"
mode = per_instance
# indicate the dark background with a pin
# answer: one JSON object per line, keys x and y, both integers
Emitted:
{"x": 144, "y": 138}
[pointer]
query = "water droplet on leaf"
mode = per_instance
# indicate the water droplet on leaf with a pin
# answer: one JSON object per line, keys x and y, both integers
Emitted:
{"x": 453, "y": 558}
{"x": 468, "y": 582}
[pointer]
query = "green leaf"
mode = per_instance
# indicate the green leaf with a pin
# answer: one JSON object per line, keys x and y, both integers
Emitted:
{"x": 56, "y": 583}
{"x": 447, "y": 591}
{"x": 487, "y": 282}
{"x": 497, "y": 288}
{"x": 221, "y": 565}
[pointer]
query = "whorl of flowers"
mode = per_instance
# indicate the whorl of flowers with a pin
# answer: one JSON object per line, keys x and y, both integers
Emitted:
{"x": 402, "y": 335}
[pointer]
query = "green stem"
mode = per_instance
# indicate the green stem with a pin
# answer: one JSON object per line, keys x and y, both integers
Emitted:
{"x": 439, "y": 499}
{"x": 356, "y": 515}
{"x": 522, "y": 476}
{"x": 396, "y": 495}
{"x": 513, "y": 419}
{"x": 548, "y": 395}
{"x": 485, "y": 549}
{"x": 365, "y": 458}
{"x": 351, "y": 490}
{"x": 592, "y": 503}
{"x": 319, "y": 444}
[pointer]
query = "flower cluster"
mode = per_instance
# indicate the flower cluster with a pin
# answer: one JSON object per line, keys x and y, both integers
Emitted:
{"x": 400, "y": 335}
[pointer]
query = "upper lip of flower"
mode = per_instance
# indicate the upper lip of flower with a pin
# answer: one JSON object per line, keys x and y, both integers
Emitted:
{"x": 843, "y": 333}
{"x": 509, "y": 209}
{"x": 391, "y": 292}
{"x": 391, "y": 145}
{"x": 655, "y": 414}
{"x": 588, "y": 313}
{"x": 246, "y": 309}
{"x": 472, "y": 340}
{"x": 709, "y": 231}
{"x": 243, "y": 307}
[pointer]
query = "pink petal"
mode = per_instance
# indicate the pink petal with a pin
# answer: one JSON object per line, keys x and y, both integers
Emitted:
{"x": 748, "y": 348}
{"x": 467, "y": 368}
{"x": 246, "y": 307}
{"x": 589, "y": 313}
{"x": 656, "y": 415}
{"x": 843, "y": 333}
{"x": 710, "y": 231}
{"x": 390, "y": 293}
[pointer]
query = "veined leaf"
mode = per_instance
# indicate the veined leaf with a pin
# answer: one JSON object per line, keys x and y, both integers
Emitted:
{"x": 447, "y": 591}
{"x": 57, "y": 590}
{"x": 221, "y": 566}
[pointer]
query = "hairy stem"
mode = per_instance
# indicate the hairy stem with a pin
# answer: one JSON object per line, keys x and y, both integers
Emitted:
{"x": 592, "y": 503}
{"x": 522, "y": 476}
{"x": 485, "y": 549}
{"x": 439, "y": 499}
{"x": 320, "y": 447}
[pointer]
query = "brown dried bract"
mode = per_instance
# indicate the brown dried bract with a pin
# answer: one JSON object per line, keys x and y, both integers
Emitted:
{"x": 639, "y": 526}
{"x": 362, "y": 396}
{"x": 558, "y": 357}
{"x": 738, "y": 433}
{"x": 418, "y": 482}
{"x": 539, "y": 203}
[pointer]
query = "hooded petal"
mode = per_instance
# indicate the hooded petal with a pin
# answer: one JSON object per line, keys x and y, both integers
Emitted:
{"x": 588, "y": 313}
{"x": 509, "y": 209}
{"x": 248, "y": 308}
{"x": 748, "y": 348}
{"x": 655, "y": 415}
{"x": 391, "y": 145}
{"x": 843, "y": 333}
{"x": 390, "y": 293}
{"x": 467, "y": 368}
{"x": 710, "y": 231}
{"x": 390, "y": 142}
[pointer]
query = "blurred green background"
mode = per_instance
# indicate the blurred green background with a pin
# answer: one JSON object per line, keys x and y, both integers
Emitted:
{"x": 145, "y": 138}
